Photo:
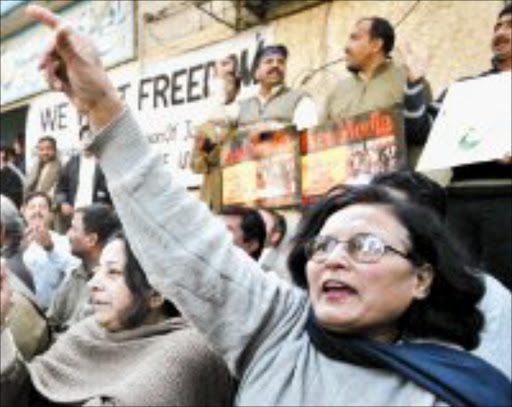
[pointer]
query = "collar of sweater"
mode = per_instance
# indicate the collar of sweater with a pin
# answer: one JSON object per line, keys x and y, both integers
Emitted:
{"x": 383, "y": 67}
{"x": 276, "y": 91}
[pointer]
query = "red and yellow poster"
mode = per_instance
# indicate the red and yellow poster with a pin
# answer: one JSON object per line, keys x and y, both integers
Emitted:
{"x": 262, "y": 169}
{"x": 351, "y": 152}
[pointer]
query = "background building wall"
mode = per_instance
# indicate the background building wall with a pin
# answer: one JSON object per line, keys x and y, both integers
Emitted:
{"x": 456, "y": 33}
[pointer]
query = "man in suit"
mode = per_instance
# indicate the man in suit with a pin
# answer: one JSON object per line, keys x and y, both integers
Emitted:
{"x": 81, "y": 184}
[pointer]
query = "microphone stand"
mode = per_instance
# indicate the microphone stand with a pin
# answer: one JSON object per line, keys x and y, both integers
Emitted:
{"x": 310, "y": 76}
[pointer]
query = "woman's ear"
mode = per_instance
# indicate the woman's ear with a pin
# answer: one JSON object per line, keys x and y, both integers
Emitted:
{"x": 424, "y": 278}
{"x": 156, "y": 300}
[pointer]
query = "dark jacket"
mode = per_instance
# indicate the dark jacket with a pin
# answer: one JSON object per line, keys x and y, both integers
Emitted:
{"x": 11, "y": 185}
{"x": 68, "y": 184}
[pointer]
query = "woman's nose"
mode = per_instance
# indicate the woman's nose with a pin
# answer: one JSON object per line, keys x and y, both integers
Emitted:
{"x": 338, "y": 257}
{"x": 95, "y": 284}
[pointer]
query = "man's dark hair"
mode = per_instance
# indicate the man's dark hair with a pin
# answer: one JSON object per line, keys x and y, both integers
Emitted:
{"x": 251, "y": 223}
{"x": 506, "y": 10}
{"x": 49, "y": 139}
{"x": 12, "y": 222}
{"x": 450, "y": 312}
{"x": 418, "y": 188}
{"x": 267, "y": 50}
{"x": 35, "y": 194}
{"x": 238, "y": 83}
{"x": 382, "y": 29}
{"x": 279, "y": 49}
{"x": 138, "y": 284}
{"x": 9, "y": 151}
{"x": 100, "y": 219}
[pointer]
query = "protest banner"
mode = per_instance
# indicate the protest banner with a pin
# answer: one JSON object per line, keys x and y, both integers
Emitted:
{"x": 262, "y": 169}
{"x": 168, "y": 98}
{"x": 351, "y": 151}
{"x": 474, "y": 124}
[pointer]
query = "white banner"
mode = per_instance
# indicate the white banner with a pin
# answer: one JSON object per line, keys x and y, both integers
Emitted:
{"x": 52, "y": 115}
{"x": 168, "y": 99}
{"x": 109, "y": 23}
{"x": 474, "y": 124}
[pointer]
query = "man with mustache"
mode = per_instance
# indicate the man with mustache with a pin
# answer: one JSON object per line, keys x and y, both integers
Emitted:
{"x": 276, "y": 105}
{"x": 479, "y": 195}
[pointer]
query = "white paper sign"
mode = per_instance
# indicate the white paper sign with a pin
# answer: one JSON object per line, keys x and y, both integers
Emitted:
{"x": 474, "y": 124}
{"x": 168, "y": 99}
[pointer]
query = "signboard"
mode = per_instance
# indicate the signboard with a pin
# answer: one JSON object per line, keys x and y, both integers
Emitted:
{"x": 261, "y": 169}
{"x": 168, "y": 99}
{"x": 351, "y": 152}
{"x": 52, "y": 115}
{"x": 473, "y": 125}
{"x": 109, "y": 23}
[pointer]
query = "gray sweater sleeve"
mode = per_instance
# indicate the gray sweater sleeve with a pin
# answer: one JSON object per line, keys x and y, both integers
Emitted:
{"x": 188, "y": 254}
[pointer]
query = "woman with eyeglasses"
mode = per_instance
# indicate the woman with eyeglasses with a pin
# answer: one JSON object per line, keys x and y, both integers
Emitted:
{"x": 384, "y": 314}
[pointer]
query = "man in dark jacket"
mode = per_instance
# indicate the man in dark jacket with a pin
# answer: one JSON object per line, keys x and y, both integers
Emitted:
{"x": 81, "y": 183}
{"x": 11, "y": 180}
{"x": 479, "y": 206}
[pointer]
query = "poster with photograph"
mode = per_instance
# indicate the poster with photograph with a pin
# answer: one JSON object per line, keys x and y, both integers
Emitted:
{"x": 261, "y": 169}
{"x": 351, "y": 152}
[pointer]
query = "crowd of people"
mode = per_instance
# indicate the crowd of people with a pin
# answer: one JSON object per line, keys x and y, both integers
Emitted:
{"x": 119, "y": 287}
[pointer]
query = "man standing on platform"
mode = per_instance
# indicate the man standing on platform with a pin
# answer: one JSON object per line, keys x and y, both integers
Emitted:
{"x": 479, "y": 206}
{"x": 218, "y": 127}
{"x": 377, "y": 82}
{"x": 275, "y": 105}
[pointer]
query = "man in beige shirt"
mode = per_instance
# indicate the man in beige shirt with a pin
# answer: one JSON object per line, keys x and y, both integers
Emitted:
{"x": 45, "y": 173}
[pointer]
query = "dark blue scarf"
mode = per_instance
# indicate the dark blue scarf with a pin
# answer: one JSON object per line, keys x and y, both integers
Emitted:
{"x": 456, "y": 377}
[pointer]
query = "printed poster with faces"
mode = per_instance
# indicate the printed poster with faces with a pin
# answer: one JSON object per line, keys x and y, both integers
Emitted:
{"x": 473, "y": 125}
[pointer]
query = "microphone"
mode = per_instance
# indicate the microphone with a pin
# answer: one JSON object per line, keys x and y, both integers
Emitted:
{"x": 310, "y": 76}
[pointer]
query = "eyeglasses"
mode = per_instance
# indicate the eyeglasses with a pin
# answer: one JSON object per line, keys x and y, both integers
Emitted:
{"x": 362, "y": 248}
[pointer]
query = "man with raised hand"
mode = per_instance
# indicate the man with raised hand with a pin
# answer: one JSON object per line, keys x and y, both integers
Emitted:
{"x": 479, "y": 209}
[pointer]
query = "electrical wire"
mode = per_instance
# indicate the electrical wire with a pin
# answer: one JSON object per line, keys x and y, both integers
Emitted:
{"x": 407, "y": 14}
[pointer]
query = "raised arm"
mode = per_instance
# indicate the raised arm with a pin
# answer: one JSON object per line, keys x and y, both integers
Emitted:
{"x": 185, "y": 251}
{"x": 419, "y": 110}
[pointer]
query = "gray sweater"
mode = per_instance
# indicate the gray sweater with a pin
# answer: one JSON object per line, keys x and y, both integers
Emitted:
{"x": 163, "y": 364}
{"x": 254, "y": 320}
